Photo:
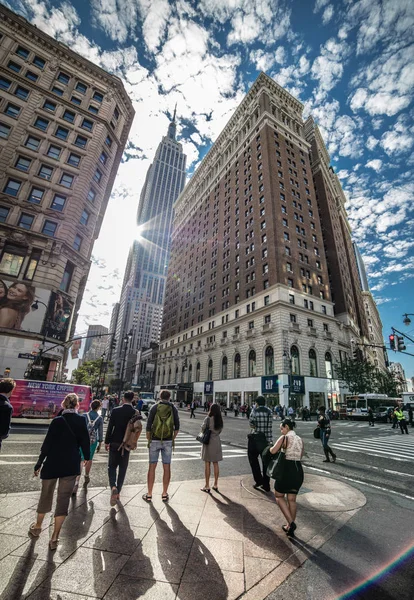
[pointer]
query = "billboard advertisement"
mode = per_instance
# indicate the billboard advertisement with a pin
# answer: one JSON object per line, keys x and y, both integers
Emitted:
{"x": 58, "y": 316}
{"x": 42, "y": 400}
{"x": 16, "y": 300}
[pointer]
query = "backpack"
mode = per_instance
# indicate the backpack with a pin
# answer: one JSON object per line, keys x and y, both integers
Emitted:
{"x": 91, "y": 429}
{"x": 163, "y": 425}
{"x": 132, "y": 433}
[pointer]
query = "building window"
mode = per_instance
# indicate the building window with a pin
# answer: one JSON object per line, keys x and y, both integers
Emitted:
{"x": 32, "y": 264}
{"x": 91, "y": 195}
{"x": 252, "y": 364}
{"x": 26, "y": 221}
{"x": 66, "y": 180}
{"x": 84, "y": 218}
{"x": 21, "y": 92}
{"x": 251, "y": 323}
{"x": 74, "y": 159}
{"x": 57, "y": 90}
{"x": 54, "y": 152}
{"x": 4, "y": 212}
{"x": 237, "y": 366}
{"x": 328, "y": 365}
{"x": 23, "y": 52}
{"x": 45, "y": 172}
{"x": 12, "y": 187}
{"x": 294, "y": 358}
{"x": 269, "y": 361}
{"x": 67, "y": 277}
{"x": 267, "y": 319}
{"x": 4, "y": 131}
{"x": 103, "y": 158}
{"x": 39, "y": 62}
{"x": 325, "y": 327}
{"x": 31, "y": 76}
{"x": 108, "y": 141}
{"x": 77, "y": 242}
{"x": 87, "y": 124}
{"x": 58, "y": 202}
{"x": 98, "y": 176}
{"x": 62, "y": 133}
{"x": 12, "y": 259}
{"x": 266, "y": 301}
{"x": 313, "y": 364}
{"x": 81, "y": 141}
{"x": 14, "y": 66}
{"x": 12, "y": 110}
{"x": 63, "y": 78}
{"x": 210, "y": 370}
{"x": 32, "y": 143}
{"x": 36, "y": 195}
{"x": 49, "y": 105}
{"x": 292, "y": 318}
{"x": 76, "y": 100}
{"x": 224, "y": 363}
{"x": 97, "y": 96}
{"x": 49, "y": 228}
{"x": 323, "y": 309}
{"x": 69, "y": 116}
{"x": 4, "y": 83}
{"x": 23, "y": 164}
{"x": 81, "y": 87}
{"x": 197, "y": 372}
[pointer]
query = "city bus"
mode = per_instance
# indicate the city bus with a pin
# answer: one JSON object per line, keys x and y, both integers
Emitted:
{"x": 42, "y": 399}
{"x": 357, "y": 406}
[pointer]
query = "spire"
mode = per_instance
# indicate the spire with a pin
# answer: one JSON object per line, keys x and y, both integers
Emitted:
{"x": 172, "y": 128}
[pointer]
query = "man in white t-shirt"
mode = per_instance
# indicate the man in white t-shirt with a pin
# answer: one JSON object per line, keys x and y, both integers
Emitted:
{"x": 105, "y": 405}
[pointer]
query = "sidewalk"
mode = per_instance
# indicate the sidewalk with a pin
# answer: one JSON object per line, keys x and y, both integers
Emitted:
{"x": 226, "y": 546}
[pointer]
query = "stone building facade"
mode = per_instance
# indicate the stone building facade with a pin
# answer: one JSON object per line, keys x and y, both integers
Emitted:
{"x": 249, "y": 304}
{"x": 64, "y": 123}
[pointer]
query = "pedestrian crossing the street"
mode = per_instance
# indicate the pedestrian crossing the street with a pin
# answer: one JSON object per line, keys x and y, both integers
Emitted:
{"x": 395, "y": 447}
{"x": 186, "y": 449}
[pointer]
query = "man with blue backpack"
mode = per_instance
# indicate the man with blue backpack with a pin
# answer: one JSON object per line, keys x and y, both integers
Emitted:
{"x": 162, "y": 428}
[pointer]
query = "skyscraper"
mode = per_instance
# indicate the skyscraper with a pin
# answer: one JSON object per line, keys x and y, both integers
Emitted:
{"x": 260, "y": 246}
{"x": 143, "y": 286}
{"x": 63, "y": 127}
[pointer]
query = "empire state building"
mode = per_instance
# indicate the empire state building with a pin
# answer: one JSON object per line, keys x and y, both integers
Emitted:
{"x": 143, "y": 288}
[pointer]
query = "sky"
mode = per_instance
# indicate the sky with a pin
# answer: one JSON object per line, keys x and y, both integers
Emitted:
{"x": 350, "y": 62}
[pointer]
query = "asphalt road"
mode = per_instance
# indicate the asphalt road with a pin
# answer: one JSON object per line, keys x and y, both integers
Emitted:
{"x": 378, "y": 460}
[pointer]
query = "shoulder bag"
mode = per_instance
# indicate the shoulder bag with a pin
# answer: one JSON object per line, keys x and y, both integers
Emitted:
{"x": 317, "y": 433}
{"x": 276, "y": 467}
{"x": 204, "y": 436}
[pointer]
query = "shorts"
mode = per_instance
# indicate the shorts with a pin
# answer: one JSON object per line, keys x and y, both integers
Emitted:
{"x": 165, "y": 447}
{"x": 92, "y": 450}
{"x": 64, "y": 493}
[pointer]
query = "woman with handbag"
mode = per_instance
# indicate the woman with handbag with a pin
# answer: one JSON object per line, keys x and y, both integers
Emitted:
{"x": 289, "y": 472}
{"x": 212, "y": 452}
{"x": 324, "y": 424}
{"x": 60, "y": 460}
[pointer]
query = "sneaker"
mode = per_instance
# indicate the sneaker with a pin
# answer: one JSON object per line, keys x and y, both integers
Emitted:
{"x": 87, "y": 479}
{"x": 114, "y": 496}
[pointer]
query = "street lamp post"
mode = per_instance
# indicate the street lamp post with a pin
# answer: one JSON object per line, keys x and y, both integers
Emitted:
{"x": 126, "y": 341}
{"x": 407, "y": 320}
{"x": 100, "y": 373}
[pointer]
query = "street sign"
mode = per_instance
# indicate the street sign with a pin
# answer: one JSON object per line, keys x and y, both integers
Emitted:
{"x": 286, "y": 386}
{"x": 38, "y": 367}
{"x": 26, "y": 355}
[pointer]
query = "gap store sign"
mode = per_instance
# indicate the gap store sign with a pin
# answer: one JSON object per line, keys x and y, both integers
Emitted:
{"x": 270, "y": 384}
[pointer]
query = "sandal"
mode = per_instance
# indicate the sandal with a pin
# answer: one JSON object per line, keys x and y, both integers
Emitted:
{"x": 34, "y": 531}
{"x": 53, "y": 544}
{"x": 215, "y": 488}
{"x": 206, "y": 490}
{"x": 165, "y": 497}
{"x": 147, "y": 498}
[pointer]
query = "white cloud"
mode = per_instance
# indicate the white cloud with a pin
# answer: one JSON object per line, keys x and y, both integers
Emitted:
{"x": 399, "y": 139}
{"x": 327, "y": 14}
{"x": 328, "y": 66}
{"x": 375, "y": 164}
{"x": 265, "y": 60}
{"x": 372, "y": 142}
{"x": 319, "y": 4}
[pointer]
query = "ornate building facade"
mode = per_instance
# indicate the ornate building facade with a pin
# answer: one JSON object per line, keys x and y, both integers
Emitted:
{"x": 64, "y": 123}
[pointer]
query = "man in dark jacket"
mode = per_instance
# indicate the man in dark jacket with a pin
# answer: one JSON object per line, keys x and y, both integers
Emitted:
{"x": 6, "y": 389}
{"x": 120, "y": 417}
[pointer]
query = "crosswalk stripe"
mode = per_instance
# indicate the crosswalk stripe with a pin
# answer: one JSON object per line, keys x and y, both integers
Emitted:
{"x": 387, "y": 451}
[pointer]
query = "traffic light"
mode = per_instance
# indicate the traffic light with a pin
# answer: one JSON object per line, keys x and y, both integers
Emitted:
{"x": 392, "y": 341}
{"x": 113, "y": 344}
{"x": 400, "y": 344}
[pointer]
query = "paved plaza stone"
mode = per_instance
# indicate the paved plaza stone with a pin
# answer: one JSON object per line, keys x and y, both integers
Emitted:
{"x": 225, "y": 545}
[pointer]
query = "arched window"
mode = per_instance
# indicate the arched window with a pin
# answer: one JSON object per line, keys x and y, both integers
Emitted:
{"x": 183, "y": 370}
{"x": 190, "y": 374}
{"x": 294, "y": 357}
{"x": 169, "y": 376}
{"x": 210, "y": 370}
{"x": 237, "y": 363}
{"x": 269, "y": 361}
{"x": 163, "y": 376}
{"x": 224, "y": 368}
{"x": 252, "y": 363}
{"x": 313, "y": 364}
{"x": 328, "y": 365}
{"x": 176, "y": 375}
{"x": 198, "y": 371}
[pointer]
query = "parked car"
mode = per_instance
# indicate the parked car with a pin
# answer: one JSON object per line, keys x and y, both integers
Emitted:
{"x": 146, "y": 405}
{"x": 382, "y": 412}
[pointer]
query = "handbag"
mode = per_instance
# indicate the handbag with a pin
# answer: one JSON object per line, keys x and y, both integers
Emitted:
{"x": 276, "y": 467}
{"x": 317, "y": 433}
{"x": 204, "y": 436}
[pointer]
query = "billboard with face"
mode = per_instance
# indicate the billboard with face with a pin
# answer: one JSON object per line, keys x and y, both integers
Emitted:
{"x": 16, "y": 300}
{"x": 58, "y": 317}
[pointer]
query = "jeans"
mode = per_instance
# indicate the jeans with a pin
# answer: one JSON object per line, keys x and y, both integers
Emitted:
{"x": 119, "y": 461}
{"x": 325, "y": 439}
{"x": 103, "y": 414}
{"x": 253, "y": 456}
{"x": 403, "y": 426}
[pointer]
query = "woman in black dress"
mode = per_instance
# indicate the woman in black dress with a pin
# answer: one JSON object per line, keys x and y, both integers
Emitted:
{"x": 292, "y": 478}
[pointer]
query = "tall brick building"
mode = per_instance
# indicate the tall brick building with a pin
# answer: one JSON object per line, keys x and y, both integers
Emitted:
{"x": 64, "y": 123}
{"x": 254, "y": 299}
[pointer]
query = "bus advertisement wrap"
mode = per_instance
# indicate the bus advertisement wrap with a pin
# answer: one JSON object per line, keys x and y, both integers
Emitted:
{"x": 42, "y": 400}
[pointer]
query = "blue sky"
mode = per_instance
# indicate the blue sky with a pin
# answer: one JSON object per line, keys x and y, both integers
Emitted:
{"x": 351, "y": 62}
